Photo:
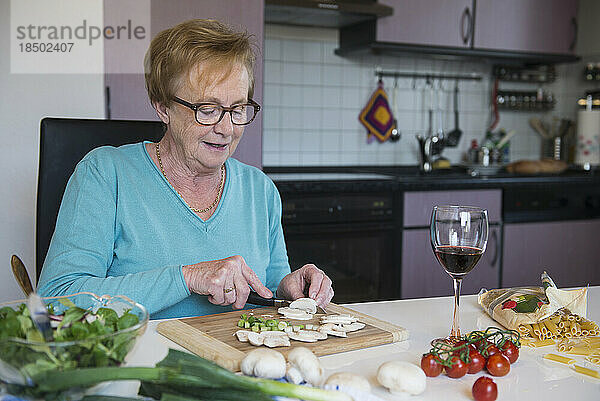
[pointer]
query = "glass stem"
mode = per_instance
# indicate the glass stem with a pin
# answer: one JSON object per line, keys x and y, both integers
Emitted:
{"x": 455, "y": 325}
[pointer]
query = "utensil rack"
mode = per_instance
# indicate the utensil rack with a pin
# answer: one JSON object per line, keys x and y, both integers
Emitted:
{"x": 428, "y": 76}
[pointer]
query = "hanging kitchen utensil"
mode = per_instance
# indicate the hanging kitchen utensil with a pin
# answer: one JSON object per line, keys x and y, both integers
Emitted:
{"x": 495, "y": 114}
{"x": 395, "y": 136}
{"x": 438, "y": 145}
{"x": 539, "y": 127}
{"x": 377, "y": 117}
{"x": 453, "y": 136}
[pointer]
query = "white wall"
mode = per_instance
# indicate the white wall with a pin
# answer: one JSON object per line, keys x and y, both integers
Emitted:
{"x": 313, "y": 99}
{"x": 24, "y": 100}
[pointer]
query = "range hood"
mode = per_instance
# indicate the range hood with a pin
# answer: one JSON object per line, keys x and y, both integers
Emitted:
{"x": 323, "y": 13}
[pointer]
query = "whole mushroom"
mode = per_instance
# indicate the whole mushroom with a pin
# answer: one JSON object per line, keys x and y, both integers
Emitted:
{"x": 347, "y": 379}
{"x": 402, "y": 377}
{"x": 265, "y": 363}
{"x": 305, "y": 364}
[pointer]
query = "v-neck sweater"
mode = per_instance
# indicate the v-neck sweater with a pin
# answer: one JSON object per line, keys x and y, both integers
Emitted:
{"x": 122, "y": 229}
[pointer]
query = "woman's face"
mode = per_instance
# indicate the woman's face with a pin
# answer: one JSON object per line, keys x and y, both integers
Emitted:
{"x": 205, "y": 148}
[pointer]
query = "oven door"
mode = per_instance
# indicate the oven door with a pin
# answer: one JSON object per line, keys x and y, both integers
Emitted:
{"x": 358, "y": 257}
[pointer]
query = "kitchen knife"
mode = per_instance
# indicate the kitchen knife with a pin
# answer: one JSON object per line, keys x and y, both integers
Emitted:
{"x": 254, "y": 298}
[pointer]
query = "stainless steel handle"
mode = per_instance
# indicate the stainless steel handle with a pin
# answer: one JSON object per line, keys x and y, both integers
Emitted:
{"x": 466, "y": 36}
{"x": 575, "y": 27}
{"x": 496, "y": 241}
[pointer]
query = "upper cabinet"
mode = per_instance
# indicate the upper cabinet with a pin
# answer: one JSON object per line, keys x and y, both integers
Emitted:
{"x": 126, "y": 94}
{"x": 534, "y": 26}
{"x": 526, "y": 31}
{"x": 429, "y": 22}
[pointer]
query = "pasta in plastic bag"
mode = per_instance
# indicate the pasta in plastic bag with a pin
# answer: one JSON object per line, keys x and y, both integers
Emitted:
{"x": 517, "y": 306}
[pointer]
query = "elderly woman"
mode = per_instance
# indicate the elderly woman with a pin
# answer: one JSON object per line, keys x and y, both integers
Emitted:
{"x": 179, "y": 225}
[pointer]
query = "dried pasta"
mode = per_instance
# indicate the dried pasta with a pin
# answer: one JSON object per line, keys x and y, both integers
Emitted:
{"x": 586, "y": 371}
{"x": 594, "y": 358}
{"x": 559, "y": 358}
{"x": 536, "y": 343}
{"x": 561, "y": 325}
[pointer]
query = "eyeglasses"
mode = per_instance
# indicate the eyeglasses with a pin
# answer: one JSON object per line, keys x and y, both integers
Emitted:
{"x": 212, "y": 113}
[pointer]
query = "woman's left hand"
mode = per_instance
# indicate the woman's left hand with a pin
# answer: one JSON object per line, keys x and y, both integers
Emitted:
{"x": 309, "y": 281}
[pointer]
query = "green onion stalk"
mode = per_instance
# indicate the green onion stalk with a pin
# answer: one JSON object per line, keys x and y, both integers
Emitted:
{"x": 182, "y": 375}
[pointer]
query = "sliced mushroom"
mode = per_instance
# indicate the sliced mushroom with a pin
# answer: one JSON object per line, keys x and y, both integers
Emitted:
{"x": 303, "y": 337}
{"x": 295, "y": 314}
{"x": 274, "y": 334}
{"x": 256, "y": 338}
{"x": 308, "y": 305}
{"x": 330, "y": 328}
{"x": 338, "y": 319}
{"x": 334, "y": 333}
{"x": 276, "y": 341}
{"x": 314, "y": 333}
{"x": 353, "y": 326}
{"x": 242, "y": 335}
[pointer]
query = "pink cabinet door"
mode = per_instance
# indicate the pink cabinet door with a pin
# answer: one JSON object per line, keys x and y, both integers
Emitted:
{"x": 419, "y": 204}
{"x": 423, "y": 276}
{"x": 427, "y": 22}
{"x": 568, "y": 250}
{"x": 538, "y": 26}
{"x": 128, "y": 98}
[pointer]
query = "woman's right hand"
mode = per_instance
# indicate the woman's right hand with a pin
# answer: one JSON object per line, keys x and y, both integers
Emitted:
{"x": 225, "y": 281}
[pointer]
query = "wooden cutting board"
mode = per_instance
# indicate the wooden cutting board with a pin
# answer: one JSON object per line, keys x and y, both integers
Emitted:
{"x": 212, "y": 336}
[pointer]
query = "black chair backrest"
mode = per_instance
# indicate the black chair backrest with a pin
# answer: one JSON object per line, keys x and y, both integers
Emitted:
{"x": 63, "y": 143}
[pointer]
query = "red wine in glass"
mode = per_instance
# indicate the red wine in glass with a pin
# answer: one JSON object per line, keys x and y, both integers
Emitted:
{"x": 458, "y": 260}
{"x": 458, "y": 237}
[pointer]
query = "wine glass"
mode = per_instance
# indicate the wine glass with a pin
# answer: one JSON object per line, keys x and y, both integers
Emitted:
{"x": 459, "y": 236}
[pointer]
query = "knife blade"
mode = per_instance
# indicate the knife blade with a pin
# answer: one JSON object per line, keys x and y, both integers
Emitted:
{"x": 254, "y": 298}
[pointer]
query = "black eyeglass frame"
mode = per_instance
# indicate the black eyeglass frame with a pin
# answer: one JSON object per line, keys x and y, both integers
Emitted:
{"x": 224, "y": 109}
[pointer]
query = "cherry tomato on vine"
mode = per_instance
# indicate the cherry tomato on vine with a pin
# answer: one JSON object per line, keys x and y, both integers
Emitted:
{"x": 481, "y": 344}
{"x": 484, "y": 389}
{"x": 510, "y": 351}
{"x": 490, "y": 350}
{"x": 461, "y": 344}
{"x": 498, "y": 365}
{"x": 477, "y": 361}
{"x": 430, "y": 366}
{"x": 457, "y": 369}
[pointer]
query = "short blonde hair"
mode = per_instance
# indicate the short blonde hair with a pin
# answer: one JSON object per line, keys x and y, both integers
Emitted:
{"x": 174, "y": 52}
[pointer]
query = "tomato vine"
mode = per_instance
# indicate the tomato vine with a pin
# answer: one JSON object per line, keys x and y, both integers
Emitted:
{"x": 443, "y": 350}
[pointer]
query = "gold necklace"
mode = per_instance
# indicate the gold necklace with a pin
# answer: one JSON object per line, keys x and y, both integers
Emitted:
{"x": 219, "y": 190}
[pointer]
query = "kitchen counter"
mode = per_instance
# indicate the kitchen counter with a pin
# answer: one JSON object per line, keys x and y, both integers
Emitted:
{"x": 409, "y": 178}
{"x": 530, "y": 377}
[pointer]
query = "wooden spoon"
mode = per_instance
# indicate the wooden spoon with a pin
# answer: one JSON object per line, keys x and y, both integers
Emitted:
{"x": 538, "y": 126}
{"x": 21, "y": 275}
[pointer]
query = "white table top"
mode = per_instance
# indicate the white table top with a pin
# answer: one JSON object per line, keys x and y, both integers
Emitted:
{"x": 530, "y": 378}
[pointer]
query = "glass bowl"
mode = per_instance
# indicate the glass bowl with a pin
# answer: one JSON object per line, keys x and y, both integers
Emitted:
{"x": 97, "y": 339}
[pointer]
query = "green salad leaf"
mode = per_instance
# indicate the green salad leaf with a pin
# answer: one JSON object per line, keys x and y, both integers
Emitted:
{"x": 88, "y": 329}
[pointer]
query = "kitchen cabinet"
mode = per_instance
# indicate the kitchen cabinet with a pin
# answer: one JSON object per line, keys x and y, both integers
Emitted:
{"x": 532, "y": 31}
{"x": 422, "y": 275}
{"x": 538, "y": 26}
{"x": 430, "y": 22}
{"x": 126, "y": 94}
{"x": 567, "y": 250}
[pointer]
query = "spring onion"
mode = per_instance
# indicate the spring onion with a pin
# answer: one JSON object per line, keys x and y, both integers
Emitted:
{"x": 181, "y": 375}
